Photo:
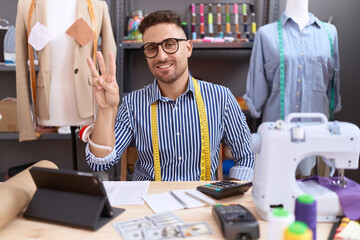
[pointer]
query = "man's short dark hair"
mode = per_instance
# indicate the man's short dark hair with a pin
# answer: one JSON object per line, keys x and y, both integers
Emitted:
{"x": 162, "y": 16}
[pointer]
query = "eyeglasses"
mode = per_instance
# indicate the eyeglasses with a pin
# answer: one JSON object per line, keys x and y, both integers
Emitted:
{"x": 169, "y": 45}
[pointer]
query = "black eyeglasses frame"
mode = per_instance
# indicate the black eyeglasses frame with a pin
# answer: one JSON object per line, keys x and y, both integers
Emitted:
{"x": 161, "y": 44}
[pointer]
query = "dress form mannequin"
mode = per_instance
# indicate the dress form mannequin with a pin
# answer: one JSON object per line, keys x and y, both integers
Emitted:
{"x": 298, "y": 11}
{"x": 63, "y": 82}
{"x": 62, "y": 104}
{"x": 311, "y": 60}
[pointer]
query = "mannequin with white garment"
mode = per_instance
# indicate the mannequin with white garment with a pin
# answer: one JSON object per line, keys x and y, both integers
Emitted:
{"x": 62, "y": 100}
{"x": 299, "y": 11}
{"x": 61, "y": 92}
{"x": 310, "y": 82}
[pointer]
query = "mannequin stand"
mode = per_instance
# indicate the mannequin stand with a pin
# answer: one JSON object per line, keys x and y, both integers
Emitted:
{"x": 74, "y": 152}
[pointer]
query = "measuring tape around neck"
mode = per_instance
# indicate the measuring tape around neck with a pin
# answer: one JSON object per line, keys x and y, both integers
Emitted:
{"x": 282, "y": 71}
{"x": 205, "y": 143}
{"x": 31, "y": 49}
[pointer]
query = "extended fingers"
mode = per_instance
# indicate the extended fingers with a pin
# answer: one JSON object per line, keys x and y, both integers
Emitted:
{"x": 95, "y": 75}
{"x": 102, "y": 65}
{"x": 92, "y": 67}
{"x": 112, "y": 66}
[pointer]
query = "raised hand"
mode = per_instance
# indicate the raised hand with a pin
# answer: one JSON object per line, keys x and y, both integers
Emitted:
{"x": 105, "y": 88}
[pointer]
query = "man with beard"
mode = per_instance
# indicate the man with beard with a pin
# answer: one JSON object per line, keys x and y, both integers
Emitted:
{"x": 177, "y": 122}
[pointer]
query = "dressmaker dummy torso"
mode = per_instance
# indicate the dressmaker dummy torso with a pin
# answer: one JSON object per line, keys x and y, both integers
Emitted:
{"x": 309, "y": 67}
{"x": 62, "y": 100}
{"x": 73, "y": 83}
{"x": 298, "y": 11}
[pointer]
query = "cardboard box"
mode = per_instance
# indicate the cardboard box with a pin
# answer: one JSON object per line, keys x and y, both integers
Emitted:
{"x": 8, "y": 111}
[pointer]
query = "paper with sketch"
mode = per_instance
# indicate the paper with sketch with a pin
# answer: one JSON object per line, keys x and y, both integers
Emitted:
{"x": 126, "y": 193}
{"x": 171, "y": 201}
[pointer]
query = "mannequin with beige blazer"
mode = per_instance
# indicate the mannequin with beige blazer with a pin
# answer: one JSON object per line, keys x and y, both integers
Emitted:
{"x": 63, "y": 83}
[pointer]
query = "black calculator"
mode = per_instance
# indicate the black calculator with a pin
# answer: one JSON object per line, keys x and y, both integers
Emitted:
{"x": 236, "y": 222}
{"x": 225, "y": 188}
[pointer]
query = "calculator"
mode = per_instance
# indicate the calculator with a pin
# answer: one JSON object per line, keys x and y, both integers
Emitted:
{"x": 225, "y": 188}
{"x": 236, "y": 221}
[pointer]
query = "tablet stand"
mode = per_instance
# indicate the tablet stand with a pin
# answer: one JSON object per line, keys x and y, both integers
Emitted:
{"x": 69, "y": 208}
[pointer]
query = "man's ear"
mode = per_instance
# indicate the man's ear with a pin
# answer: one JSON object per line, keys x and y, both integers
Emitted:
{"x": 189, "y": 47}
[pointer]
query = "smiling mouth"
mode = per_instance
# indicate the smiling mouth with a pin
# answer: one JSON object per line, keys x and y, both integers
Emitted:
{"x": 164, "y": 66}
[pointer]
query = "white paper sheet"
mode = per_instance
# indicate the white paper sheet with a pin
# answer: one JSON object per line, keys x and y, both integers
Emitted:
{"x": 126, "y": 193}
{"x": 172, "y": 201}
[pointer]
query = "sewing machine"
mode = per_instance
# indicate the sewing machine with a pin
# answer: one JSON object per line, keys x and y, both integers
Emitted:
{"x": 280, "y": 146}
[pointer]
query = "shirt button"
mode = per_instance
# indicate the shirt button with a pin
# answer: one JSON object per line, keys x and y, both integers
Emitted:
{"x": 179, "y": 158}
{"x": 301, "y": 53}
{"x": 178, "y": 133}
{"x": 76, "y": 70}
{"x": 297, "y": 106}
{"x": 299, "y": 80}
{"x": 175, "y": 108}
{"x": 300, "y": 66}
{"x": 297, "y": 93}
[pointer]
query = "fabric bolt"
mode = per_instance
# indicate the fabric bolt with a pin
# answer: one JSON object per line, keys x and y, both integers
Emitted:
{"x": 179, "y": 133}
{"x": 349, "y": 196}
{"x": 309, "y": 67}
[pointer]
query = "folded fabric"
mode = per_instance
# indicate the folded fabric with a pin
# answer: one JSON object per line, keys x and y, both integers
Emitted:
{"x": 349, "y": 196}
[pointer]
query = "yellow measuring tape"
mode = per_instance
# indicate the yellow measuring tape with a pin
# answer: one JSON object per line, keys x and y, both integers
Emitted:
{"x": 205, "y": 143}
{"x": 93, "y": 23}
{"x": 31, "y": 57}
{"x": 31, "y": 49}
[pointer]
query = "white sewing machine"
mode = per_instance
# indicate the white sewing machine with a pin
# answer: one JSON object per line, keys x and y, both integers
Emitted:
{"x": 281, "y": 145}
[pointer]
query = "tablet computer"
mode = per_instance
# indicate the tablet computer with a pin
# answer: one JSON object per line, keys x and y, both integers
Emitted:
{"x": 70, "y": 197}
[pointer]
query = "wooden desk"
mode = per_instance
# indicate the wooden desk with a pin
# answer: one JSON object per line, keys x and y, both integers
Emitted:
{"x": 21, "y": 228}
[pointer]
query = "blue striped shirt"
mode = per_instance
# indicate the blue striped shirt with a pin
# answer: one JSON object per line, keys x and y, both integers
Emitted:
{"x": 179, "y": 133}
{"x": 309, "y": 68}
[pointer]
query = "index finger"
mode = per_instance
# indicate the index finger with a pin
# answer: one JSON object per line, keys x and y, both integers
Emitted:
{"x": 92, "y": 67}
{"x": 112, "y": 66}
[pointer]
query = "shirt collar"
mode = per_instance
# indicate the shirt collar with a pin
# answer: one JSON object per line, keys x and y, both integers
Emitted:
{"x": 156, "y": 93}
{"x": 285, "y": 17}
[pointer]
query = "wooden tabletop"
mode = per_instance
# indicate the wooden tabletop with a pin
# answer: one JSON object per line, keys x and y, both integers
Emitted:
{"x": 20, "y": 228}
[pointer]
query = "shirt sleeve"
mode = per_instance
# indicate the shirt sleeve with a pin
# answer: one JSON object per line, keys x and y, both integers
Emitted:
{"x": 237, "y": 137}
{"x": 123, "y": 138}
{"x": 256, "y": 85}
{"x": 337, "y": 97}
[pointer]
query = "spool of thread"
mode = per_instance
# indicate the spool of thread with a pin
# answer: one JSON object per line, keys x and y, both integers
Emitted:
{"x": 298, "y": 231}
{"x": 305, "y": 211}
{"x": 185, "y": 28}
{"x": 279, "y": 220}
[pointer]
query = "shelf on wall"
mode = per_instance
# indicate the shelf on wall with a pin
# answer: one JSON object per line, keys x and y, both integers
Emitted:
{"x": 5, "y": 68}
{"x": 15, "y": 136}
{"x": 12, "y": 68}
{"x": 197, "y": 45}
